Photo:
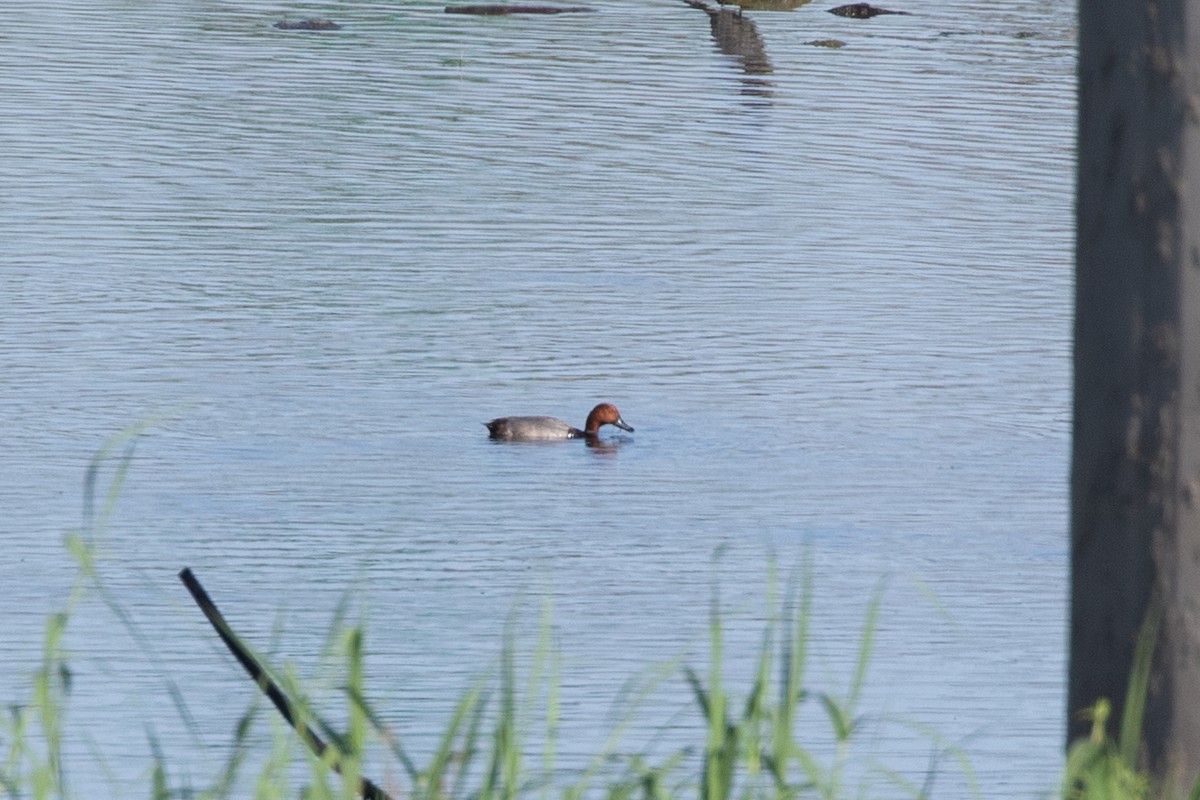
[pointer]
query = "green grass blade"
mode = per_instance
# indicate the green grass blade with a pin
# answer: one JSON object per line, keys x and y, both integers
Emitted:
{"x": 350, "y": 763}
{"x": 866, "y": 641}
{"x": 1139, "y": 679}
{"x": 838, "y": 715}
{"x": 386, "y": 736}
{"x": 791, "y": 679}
{"x": 433, "y": 781}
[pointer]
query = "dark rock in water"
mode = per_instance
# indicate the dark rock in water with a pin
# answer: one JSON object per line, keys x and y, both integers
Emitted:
{"x": 308, "y": 25}
{"x": 492, "y": 10}
{"x": 832, "y": 44}
{"x": 861, "y": 11}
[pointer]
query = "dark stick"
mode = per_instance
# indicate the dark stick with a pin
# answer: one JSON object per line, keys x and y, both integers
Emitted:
{"x": 368, "y": 789}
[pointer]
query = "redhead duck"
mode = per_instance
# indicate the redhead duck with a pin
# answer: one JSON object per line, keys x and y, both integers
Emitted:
{"x": 533, "y": 429}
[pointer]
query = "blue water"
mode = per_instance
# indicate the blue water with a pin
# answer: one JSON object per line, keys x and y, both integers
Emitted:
{"x": 834, "y": 301}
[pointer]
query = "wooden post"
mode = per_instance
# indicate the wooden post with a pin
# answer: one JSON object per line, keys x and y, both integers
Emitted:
{"x": 1135, "y": 479}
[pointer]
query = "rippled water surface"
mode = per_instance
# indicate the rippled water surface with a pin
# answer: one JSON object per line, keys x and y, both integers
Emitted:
{"x": 829, "y": 287}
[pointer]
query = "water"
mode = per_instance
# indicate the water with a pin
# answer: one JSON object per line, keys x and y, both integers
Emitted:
{"x": 832, "y": 297}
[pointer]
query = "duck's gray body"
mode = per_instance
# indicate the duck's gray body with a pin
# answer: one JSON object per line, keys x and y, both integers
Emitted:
{"x": 544, "y": 429}
{"x": 531, "y": 429}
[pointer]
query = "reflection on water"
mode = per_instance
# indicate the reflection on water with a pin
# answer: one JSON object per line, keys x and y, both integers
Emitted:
{"x": 862, "y": 11}
{"x": 766, "y": 5}
{"x": 736, "y": 35}
{"x": 608, "y": 447}
{"x": 840, "y": 321}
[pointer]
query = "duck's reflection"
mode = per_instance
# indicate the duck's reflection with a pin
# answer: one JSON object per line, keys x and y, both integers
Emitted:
{"x": 607, "y": 447}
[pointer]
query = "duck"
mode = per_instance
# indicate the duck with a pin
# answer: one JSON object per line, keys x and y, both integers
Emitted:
{"x": 538, "y": 429}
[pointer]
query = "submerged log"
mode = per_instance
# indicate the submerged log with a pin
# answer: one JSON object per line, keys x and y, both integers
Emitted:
{"x": 862, "y": 11}
{"x": 488, "y": 9}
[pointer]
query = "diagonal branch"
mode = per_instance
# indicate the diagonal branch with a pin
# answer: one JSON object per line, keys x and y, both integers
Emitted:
{"x": 368, "y": 790}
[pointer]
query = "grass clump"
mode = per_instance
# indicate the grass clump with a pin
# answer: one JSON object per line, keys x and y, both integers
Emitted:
{"x": 500, "y": 742}
{"x": 482, "y": 755}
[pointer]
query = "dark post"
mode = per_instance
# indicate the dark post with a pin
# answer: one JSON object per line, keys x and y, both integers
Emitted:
{"x": 1135, "y": 479}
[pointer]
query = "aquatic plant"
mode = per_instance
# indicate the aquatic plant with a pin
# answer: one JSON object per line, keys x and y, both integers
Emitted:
{"x": 501, "y": 740}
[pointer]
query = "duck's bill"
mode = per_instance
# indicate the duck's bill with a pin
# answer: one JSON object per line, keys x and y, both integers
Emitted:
{"x": 620, "y": 423}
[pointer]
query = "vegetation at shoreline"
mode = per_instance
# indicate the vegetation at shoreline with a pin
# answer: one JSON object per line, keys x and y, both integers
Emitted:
{"x": 500, "y": 742}
{"x": 749, "y": 748}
